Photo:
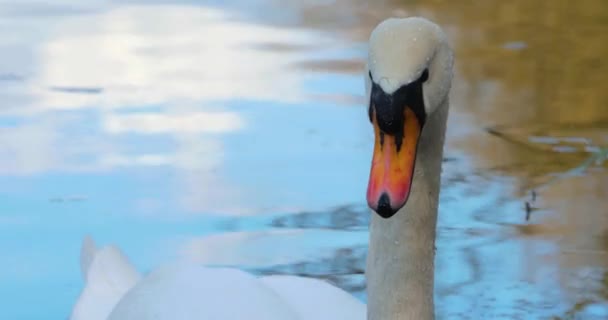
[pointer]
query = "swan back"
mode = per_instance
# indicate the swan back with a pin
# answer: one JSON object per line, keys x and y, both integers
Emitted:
{"x": 114, "y": 290}
{"x": 184, "y": 291}
{"x": 316, "y": 299}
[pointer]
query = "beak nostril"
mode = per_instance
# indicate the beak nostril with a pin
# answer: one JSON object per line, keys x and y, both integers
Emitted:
{"x": 384, "y": 207}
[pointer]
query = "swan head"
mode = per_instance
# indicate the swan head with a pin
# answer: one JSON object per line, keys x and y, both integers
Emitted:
{"x": 409, "y": 74}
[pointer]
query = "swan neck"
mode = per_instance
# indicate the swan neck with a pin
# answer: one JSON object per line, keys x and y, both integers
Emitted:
{"x": 400, "y": 263}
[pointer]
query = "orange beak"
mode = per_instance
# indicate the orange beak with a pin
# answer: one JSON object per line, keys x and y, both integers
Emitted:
{"x": 392, "y": 168}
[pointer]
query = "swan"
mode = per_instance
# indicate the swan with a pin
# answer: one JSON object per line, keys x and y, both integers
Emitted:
{"x": 407, "y": 80}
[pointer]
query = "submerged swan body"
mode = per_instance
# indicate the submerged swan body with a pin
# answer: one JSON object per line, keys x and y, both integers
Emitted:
{"x": 408, "y": 78}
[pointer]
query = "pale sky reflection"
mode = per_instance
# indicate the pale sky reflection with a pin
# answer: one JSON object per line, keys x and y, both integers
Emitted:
{"x": 160, "y": 54}
{"x": 156, "y": 123}
{"x": 118, "y": 61}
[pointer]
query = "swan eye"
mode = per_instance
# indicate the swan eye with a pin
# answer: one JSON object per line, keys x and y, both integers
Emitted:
{"x": 425, "y": 75}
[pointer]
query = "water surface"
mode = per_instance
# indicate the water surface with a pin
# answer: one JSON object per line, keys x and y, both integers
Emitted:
{"x": 236, "y": 134}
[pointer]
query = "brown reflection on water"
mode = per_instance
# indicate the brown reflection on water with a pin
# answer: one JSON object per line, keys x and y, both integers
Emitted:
{"x": 535, "y": 69}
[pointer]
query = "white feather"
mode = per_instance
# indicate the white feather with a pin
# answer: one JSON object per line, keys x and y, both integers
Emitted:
{"x": 108, "y": 276}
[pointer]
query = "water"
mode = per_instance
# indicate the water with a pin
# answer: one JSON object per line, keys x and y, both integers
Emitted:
{"x": 236, "y": 134}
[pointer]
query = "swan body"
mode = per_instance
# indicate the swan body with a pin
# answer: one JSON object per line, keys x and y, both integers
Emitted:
{"x": 408, "y": 77}
{"x": 114, "y": 290}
